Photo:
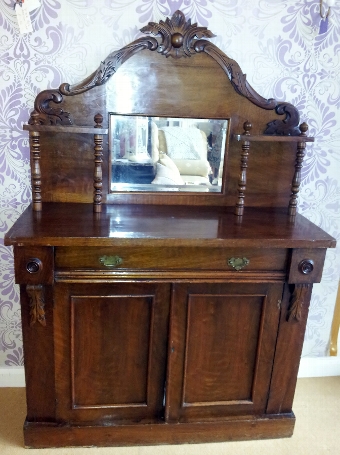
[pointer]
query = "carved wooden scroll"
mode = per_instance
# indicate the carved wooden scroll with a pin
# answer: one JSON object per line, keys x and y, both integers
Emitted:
{"x": 297, "y": 300}
{"x": 44, "y": 114}
{"x": 37, "y": 304}
{"x": 175, "y": 37}
{"x": 109, "y": 66}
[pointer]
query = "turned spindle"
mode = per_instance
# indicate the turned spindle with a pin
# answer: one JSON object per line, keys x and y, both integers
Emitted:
{"x": 292, "y": 208}
{"x": 242, "y": 181}
{"x": 34, "y": 137}
{"x": 98, "y": 171}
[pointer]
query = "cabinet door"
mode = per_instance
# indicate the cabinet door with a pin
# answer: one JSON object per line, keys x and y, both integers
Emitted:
{"x": 221, "y": 349}
{"x": 110, "y": 351}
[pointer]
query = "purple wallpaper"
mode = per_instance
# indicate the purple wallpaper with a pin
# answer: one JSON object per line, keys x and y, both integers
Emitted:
{"x": 277, "y": 43}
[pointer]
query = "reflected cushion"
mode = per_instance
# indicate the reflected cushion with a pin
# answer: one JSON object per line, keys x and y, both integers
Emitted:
{"x": 167, "y": 176}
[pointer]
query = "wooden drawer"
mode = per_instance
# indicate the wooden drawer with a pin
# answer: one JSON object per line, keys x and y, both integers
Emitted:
{"x": 160, "y": 258}
{"x": 33, "y": 265}
{"x": 306, "y": 265}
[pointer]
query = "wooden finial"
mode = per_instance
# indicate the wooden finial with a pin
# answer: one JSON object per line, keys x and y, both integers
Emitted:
{"x": 98, "y": 118}
{"x": 303, "y": 128}
{"x": 247, "y": 127}
{"x": 34, "y": 118}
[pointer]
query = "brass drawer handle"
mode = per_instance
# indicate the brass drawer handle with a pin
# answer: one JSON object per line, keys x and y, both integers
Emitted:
{"x": 238, "y": 263}
{"x": 110, "y": 261}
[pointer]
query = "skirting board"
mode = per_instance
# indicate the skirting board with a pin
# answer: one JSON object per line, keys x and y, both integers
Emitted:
{"x": 317, "y": 367}
{"x": 310, "y": 367}
{"x": 12, "y": 377}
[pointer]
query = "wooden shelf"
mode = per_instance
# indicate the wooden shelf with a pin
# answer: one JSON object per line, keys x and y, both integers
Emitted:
{"x": 66, "y": 129}
{"x": 263, "y": 138}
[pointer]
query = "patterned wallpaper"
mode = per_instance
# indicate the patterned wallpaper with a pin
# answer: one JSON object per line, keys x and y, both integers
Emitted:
{"x": 276, "y": 42}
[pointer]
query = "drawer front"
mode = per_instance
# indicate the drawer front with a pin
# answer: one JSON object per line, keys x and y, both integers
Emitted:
{"x": 306, "y": 265}
{"x": 162, "y": 258}
{"x": 34, "y": 265}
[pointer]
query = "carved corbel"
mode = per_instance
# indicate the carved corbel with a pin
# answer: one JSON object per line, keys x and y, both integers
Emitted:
{"x": 297, "y": 299}
{"x": 37, "y": 304}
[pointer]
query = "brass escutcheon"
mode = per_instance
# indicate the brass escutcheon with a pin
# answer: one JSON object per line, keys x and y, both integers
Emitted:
{"x": 238, "y": 263}
{"x": 110, "y": 261}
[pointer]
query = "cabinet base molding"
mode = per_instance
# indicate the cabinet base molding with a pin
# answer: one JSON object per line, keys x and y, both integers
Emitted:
{"x": 46, "y": 435}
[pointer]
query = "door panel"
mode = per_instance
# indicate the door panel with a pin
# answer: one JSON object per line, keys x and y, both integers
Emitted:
{"x": 222, "y": 342}
{"x": 110, "y": 344}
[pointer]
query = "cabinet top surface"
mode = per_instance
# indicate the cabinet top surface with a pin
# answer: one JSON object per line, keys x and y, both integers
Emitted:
{"x": 71, "y": 224}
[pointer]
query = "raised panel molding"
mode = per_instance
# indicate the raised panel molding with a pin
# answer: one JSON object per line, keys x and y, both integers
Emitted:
{"x": 107, "y": 343}
{"x": 126, "y": 351}
{"x": 206, "y": 316}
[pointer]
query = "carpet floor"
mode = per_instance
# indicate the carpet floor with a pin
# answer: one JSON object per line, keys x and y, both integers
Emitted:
{"x": 317, "y": 429}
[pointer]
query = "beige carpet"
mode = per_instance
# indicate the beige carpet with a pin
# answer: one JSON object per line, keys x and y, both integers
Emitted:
{"x": 317, "y": 430}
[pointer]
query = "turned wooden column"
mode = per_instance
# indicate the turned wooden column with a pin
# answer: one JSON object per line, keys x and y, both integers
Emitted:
{"x": 35, "y": 164}
{"x": 242, "y": 181}
{"x": 297, "y": 174}
{"x": 98, "y": 171}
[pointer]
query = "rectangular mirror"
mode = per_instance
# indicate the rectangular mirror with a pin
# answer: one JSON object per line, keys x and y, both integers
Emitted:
{"x": 166, "y": 154}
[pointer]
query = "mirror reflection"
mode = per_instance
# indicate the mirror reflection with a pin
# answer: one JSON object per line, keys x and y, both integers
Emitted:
{"x": 166, "y": 154}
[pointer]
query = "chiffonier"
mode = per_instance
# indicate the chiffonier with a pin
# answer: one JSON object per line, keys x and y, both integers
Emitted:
{"x": 165, "y": 274}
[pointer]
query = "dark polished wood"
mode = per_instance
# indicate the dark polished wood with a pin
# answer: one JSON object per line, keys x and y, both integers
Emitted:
{"x": 98, "y": 169}
{"x": 155, "y": 318}
{"x": 263, "y": 427}
{"x": 301, "y": 146}
{"x": 173, "y": 226}
{"x": 210, "y": 319}
{"x": 187, "y": 77}
{"x": 153, "y": 334}
{"x": 242, "y": 183}
{"x": 120, "y": 374}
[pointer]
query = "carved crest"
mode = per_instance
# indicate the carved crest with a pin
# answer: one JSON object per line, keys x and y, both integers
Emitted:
{"x": 178, "y": 35}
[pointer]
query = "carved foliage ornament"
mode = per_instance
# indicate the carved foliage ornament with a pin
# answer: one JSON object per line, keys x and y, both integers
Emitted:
{"x": 177, "y": 35}
{"x": 177, "y": 38}
{"x": 37, "y": 304}
{"x": 297, "y": 300}
{"x": 44, "y": 114}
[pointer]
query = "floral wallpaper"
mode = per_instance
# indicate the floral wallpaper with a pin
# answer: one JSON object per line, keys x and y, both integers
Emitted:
{"x": 278, "y": 43}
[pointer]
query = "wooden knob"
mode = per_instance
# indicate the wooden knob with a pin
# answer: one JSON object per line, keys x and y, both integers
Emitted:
{"x": 177, "y": 40}
{"x": 34, "y": 265}
{"x": 306, "y": 266}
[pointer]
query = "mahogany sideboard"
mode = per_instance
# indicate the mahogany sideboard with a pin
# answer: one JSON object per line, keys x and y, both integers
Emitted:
{"x": 172, "y": 313}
